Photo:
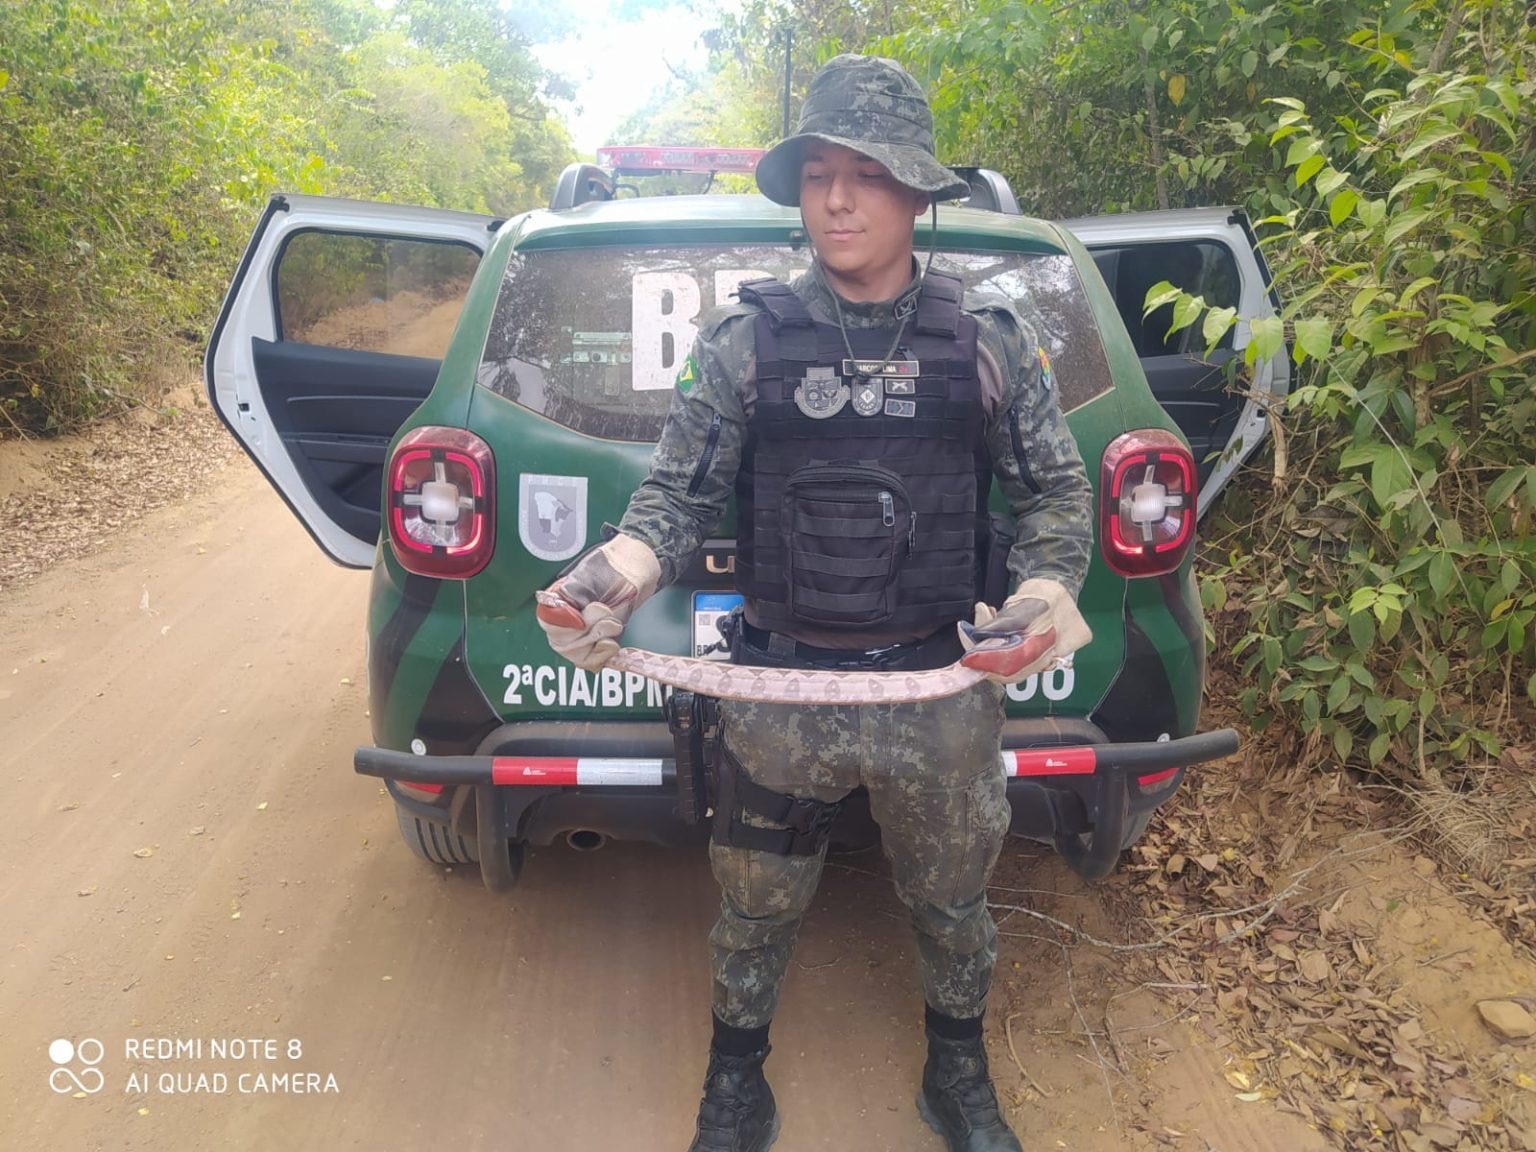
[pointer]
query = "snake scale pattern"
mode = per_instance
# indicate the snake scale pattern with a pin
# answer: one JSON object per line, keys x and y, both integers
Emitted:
{"x": 793, "y": 685}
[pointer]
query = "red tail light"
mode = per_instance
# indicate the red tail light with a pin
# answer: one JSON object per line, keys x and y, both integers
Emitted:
{"x": 1146, "y": 503}
{"x": 442, "y": 513}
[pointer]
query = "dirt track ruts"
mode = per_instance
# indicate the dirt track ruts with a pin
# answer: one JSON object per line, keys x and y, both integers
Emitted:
{"x": 190, "y": 856}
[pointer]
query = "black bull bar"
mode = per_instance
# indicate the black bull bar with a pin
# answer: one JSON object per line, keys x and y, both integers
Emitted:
{"x": 1109, "y": 781}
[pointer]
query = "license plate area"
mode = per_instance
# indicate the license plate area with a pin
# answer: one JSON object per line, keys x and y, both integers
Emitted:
{"x": 707, "y": 608}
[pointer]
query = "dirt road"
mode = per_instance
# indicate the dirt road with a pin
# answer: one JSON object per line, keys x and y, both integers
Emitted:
{"x": 191, "y": 859}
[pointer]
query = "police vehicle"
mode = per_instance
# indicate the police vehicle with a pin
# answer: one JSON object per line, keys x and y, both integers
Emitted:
{"x": 459, "y": 404}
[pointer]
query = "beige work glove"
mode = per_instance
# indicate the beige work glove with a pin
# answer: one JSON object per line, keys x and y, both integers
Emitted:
{"x": 584, "y": 612}
{"x": 1039, "y": 627}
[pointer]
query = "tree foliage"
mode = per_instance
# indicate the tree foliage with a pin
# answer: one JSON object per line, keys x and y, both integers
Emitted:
{"x": 138, "y": 139}
{"x": 1387, "y": 590}
{"x": 1379, "y": 592}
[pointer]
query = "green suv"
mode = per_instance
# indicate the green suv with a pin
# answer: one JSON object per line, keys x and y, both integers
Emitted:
{"x": 460, "y": 404}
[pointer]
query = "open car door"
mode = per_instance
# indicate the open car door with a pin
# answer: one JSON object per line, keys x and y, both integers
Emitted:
{"x": 1209, "y": 252}
{"x": 331, "y": 334}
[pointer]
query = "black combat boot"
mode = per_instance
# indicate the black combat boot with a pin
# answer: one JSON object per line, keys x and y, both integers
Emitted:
{"x": 958, "y": 1099}
{"x": 737, "y": 1113}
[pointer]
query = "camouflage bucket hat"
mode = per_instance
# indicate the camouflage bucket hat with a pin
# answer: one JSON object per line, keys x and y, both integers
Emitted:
{"x": 874, "y": 106}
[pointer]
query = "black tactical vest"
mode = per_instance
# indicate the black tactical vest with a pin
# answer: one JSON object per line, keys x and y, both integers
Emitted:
{"x": 862, "y": 494}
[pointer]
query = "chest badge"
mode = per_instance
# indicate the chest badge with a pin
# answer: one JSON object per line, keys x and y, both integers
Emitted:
{"x": 913, "y": 368}
{"x": 868, "y": 394}
{"x": 821, "y": 394}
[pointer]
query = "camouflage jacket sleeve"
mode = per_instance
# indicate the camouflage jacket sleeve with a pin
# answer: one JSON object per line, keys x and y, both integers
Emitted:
{"x": 1035, "y": 459}
{"x": 693, "y": 470}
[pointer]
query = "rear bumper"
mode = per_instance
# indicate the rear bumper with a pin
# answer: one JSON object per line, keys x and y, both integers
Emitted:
{"x": 1067, "y": 784}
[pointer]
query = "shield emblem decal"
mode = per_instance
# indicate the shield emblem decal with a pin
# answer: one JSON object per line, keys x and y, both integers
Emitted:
{"x": 821, "y": 394}
{"x": 868, "y": 393}
{"x": 552, "y": 515}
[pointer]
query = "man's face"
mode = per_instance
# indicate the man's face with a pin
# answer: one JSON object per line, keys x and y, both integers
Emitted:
{"x": 860, "y": 220}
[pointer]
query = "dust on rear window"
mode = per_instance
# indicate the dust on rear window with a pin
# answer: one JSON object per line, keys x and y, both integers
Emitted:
{"x": 593, "y": 338}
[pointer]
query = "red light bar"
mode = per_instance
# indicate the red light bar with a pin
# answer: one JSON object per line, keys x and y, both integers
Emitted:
{"x": 641, "y": 159}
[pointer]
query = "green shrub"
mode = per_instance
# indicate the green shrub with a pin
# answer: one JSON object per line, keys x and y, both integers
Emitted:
{"x": 1385, "y": 591}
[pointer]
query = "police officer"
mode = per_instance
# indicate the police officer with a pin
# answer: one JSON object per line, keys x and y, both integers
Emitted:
{"x": 859, "y": 415}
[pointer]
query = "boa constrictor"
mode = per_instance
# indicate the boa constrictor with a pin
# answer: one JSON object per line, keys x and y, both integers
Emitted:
{"x": 728, "y": 681}
{"x": 989, "y": 653}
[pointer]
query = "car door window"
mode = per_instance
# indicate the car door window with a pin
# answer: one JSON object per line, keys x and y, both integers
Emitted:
{"x": 1200, "y": 267}
{"x": 1186, "y": 379}
{"x": 371, "y": 293}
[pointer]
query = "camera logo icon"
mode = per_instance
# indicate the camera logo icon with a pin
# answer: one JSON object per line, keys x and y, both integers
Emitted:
{"x": 65, "y": 1078}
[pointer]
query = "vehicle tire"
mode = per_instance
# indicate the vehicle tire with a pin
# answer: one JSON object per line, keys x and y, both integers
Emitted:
{"x": 517, "y": 852}
{"x": 1079, "y": 847}
{"x": 434, "y": 842}
{"x": 1135, "y": 827}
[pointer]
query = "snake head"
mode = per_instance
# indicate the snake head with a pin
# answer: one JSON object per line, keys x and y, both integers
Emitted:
{"x": 557, "y": 610}
{"x": 1004, "y": 653}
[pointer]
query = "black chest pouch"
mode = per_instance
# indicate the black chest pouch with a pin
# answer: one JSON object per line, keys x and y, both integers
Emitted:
{"x": 862, "y": 492}
{"x": 847, "y": 530}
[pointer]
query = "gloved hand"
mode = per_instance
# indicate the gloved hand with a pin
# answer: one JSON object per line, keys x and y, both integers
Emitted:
{"x": 584, "y": 612}
{"x": 1043, "y": 614}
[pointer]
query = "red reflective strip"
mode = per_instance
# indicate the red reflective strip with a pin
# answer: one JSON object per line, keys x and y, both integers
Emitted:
{"x": 1157, "y": 778}
{"x": 589, "y": 771}
{"x": 541, "y": 771}
{"x": 420, "y": 787}
{"x": 1051, "y": 762}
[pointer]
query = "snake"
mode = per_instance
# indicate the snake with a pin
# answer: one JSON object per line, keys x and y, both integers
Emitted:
{"x": 727, "y": 681}
{"x": 813, "y": 686}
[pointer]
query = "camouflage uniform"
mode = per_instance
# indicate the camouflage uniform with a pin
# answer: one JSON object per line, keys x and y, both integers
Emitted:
{"x": 933, "y": 771}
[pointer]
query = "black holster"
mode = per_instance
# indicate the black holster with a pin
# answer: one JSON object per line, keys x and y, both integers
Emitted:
{"x": 807, "y": 822}
{"x": 694, "y": 722}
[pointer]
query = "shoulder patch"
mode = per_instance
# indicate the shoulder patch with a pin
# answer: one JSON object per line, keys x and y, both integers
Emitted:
{"x": 978, "y": 300}
{"x": 717, "y": 318}
{"x": 688, "y": 376}
{"x": 1047, "y": 380}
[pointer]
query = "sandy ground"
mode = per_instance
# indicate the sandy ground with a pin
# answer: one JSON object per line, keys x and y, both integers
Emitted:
{"x": 193, "y": 859}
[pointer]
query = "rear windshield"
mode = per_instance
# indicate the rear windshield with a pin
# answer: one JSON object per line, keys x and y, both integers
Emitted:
{"x": 594, "y": 337}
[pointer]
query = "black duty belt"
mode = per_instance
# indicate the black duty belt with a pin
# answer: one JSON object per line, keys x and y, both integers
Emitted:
{"x": 774, "y": 650}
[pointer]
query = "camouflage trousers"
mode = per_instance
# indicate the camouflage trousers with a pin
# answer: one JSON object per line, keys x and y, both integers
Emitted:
{"x": 936, "y": 787}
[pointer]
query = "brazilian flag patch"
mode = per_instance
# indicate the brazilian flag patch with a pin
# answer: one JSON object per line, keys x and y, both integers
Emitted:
{"x": 688, "y": 376}
{"x": 1046, "y": 378}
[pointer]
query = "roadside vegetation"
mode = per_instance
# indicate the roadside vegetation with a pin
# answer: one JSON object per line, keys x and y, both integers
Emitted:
{"x": 140, "y": 138}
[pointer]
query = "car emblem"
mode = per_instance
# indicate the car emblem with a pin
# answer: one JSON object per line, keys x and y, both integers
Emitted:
{"x": 867, "y": 394}
{"x": 821, "y": 394}
{"x": 552, "y": 515}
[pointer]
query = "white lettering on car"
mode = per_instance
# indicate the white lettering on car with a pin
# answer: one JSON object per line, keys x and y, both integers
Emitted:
{"x": 1055, "y": 685}
{"x": 662, "y": 308}
{"x": 543, "y": 691}
{"x": 566, "y": 687}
